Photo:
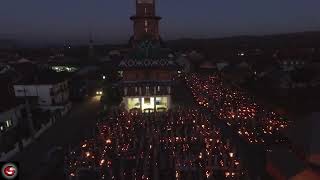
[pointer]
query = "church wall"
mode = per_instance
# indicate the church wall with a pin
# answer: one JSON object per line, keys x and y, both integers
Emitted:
{"x": 136, "y": 75}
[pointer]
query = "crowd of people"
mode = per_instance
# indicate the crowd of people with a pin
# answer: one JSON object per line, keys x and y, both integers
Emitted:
{"x": 178, "y": 144}
{"x": 253, "y": 122}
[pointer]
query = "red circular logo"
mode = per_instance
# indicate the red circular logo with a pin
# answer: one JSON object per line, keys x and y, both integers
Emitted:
{"x": 9, "y": 171}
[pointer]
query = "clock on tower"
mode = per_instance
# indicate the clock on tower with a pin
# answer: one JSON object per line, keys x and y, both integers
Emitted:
{"x": 145, "y": 22}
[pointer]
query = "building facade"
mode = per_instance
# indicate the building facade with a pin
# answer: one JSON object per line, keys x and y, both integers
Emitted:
{"x": 48, "y": 96}
{"x": 145, "y": 22}
{"x": 148, "y": 69}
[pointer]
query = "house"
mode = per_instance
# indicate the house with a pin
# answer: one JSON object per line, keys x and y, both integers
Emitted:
{"x": 46, "y": 90}
{"x": 13, "y": 116}
{"x": 9, "y": 119}
{"x": 185, "y": 63}
{"x": 9, "y": 109}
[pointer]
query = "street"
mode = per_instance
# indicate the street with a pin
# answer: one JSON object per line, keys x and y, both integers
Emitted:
{"x": 68, "y": 131}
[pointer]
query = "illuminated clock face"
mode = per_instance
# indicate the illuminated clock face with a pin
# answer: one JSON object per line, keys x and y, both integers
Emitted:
{"x": 145, "y": 1}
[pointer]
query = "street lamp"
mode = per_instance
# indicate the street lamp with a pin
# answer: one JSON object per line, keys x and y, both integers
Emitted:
{"x": 99, "y": 93}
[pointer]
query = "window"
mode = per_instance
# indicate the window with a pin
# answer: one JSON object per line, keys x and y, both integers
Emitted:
{"x": 146, "y": 29}
{"x": 136, "y": 89}
{"x": 147, "y": 89}
{"x": 158, "y": 100}
{"x": 120, "y": 73}
{"x": 8, "y": 123}
{"x": 147, "y": 101}
{"x": 133, "y": 103}
{"x": 145, "y": 11}
{"x": 158, "y": 88}
{"x": 145, "y": 23}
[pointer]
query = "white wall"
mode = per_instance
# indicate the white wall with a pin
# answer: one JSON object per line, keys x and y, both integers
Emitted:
{"x": 40, "y": 91}
{"x": 43, "y": 92}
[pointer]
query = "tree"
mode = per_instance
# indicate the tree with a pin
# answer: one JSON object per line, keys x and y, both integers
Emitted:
{"x": 111, "y": 95}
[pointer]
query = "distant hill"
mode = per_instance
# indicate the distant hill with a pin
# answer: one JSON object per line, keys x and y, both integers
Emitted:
{"x": 7, "y": 43}
{"x": 301, "y": 39}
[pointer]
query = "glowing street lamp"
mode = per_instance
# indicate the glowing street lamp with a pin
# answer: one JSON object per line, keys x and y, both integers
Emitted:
{"x": 99, "y": 93}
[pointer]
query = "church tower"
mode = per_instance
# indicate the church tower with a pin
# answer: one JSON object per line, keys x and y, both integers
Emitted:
{"x": 147, "y": 69}
{"x": 145, "y": 22}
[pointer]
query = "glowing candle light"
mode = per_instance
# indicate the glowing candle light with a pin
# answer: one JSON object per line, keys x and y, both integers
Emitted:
{"x": 87, "y": 154}
{"x": 108, "y": 141}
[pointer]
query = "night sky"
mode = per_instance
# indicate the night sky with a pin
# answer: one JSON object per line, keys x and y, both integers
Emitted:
{"x": 60, "y": 20}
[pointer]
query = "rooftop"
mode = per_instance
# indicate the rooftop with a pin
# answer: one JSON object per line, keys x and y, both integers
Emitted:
{"x": 44, "y": 78}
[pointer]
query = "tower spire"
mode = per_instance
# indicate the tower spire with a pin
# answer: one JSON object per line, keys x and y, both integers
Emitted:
{"x": 146, "y": 22}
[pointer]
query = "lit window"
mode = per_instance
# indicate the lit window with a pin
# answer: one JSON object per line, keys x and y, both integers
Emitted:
{"x": 145, "y": 11}
{"x": 147, "y": 101}
{"x": 9, "y": 123}
{"x": 145, "y": 23}
{"x": 158, "y": 88}
{"x": 1, "y": 128}
{"x": 146, "y": 29}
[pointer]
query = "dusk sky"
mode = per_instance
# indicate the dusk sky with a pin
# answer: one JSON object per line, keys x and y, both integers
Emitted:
{"x": 60, "y": 20}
